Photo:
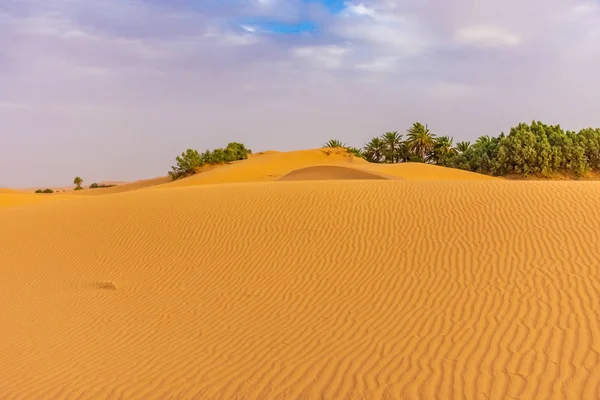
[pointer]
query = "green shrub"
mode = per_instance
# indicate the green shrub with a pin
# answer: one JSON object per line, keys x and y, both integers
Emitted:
{"x": 78, "y": 188}
{"x": 189, "y": 162}
{"x": 39, "y": 191}
{"x": 100, "y": 186}
{"x": 48, "y": 191}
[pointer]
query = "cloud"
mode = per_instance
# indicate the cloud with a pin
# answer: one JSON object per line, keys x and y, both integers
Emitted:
{"x": 379, "y": 65}
{"x": 487, "y": 36}
{"x": 383, "y": 29}
{"x": 328, "y": 56}
{"x": 114, "y": 89}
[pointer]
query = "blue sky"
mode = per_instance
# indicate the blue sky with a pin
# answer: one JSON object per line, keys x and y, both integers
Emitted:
{"x": 115, "y": 89}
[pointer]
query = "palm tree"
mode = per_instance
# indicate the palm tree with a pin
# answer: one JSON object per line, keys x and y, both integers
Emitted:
{"x": 463, "y": 147}
{"x": 443, "y": 150}
{"x": 393, "y": 142}
{"x": 420, "y": 140}
{"x": 334, "y": 143}
{"x": 78, "y": 181}
{"x": 486, "y": 145}
{"x": 375, "y": 150}
{"x": 483, "y": 141}
{"x": 356, "y": 152}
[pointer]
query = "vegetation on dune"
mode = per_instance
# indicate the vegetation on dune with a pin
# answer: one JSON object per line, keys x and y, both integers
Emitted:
{"x": 46, "y": 191}
{"x": 78, "y": 181}
{"x": 334, "y": 143}
{"x": 191, "y": 161}
{"x": 100, "y": 186}
{"x": 532, "y": 149}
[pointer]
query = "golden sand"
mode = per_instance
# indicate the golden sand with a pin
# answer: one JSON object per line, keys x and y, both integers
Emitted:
{"x": 361, "y": 289}
{"x": 329, "y": 172}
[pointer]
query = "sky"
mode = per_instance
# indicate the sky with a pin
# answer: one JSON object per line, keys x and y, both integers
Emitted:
{"x": 115, "y": 89}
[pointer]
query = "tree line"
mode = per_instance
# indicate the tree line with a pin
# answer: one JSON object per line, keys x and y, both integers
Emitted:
{"x": 191, "y": 161}
{"x": 532, "y": 149}
{"x": 78, "y": 181}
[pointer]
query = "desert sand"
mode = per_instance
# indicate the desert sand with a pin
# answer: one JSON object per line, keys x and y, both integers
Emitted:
{"x": 238, "y": 284}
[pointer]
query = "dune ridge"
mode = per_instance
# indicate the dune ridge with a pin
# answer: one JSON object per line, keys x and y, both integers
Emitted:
{"x": 340, "y": 289}
{"x": 328, "y": 172}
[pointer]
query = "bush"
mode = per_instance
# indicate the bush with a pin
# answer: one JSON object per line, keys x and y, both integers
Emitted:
{"x": 100, "y": 186}
{"x": 78, "y": 188}
{"x": 189, "y": 162}
{"x": 48, "y": 191}
{"x": 39, "y": 191}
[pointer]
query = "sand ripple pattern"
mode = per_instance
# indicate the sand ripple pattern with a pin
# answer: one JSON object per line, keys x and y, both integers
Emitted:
{"x": 305, "y": 290}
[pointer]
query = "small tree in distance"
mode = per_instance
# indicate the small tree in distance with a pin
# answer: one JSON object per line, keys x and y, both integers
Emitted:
{"x": 78, "y": 181}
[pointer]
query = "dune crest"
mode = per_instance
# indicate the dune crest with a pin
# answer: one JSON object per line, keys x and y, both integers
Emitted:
{"x": 269, "y": 166}
{"x": 328, "y": 172}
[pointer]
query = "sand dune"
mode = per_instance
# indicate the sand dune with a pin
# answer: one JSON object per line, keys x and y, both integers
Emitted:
{"x": 11, "y": 199}
{"x": 328, "y": 172}
{"x": 127, "y": 187}
{"x": 270, "y": 166}
{"x": 371, "y": 289}
{"x": 420, "y": 172}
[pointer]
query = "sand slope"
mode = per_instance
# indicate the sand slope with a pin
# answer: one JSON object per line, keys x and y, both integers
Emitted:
{"x": 420, "y": 172}
{"x": 269, "y": 166}
{"x": 328, "y": 172}
{"x": 126, "y": 187}
{"x": 272, "y": 166}
{"x": 11, "y": 199}
{"x": 305, "y": 290}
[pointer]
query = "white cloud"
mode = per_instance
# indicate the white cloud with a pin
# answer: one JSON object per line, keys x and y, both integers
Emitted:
{"x": 360, "y": 9}
{"x": 586, "y": 9}
{"x": 388, "y": 32}
{"x": 232, "y": 38}
{"x": 487, "y": 36}
{"x": 249, "y": 28}
{"x": 378, "y": 65}
{"x": 327, "y": 56}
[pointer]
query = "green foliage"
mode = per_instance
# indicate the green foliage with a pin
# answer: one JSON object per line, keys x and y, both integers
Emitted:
{"x": 187, "y": 163}
{"x": 528, "y": 149}
{"x": 190, "y": 161}
{"x": 236, "y": 151}
{"x": 39, "y": 191}
{"x": 333, "y": 143}
{"x": 78, "y": 181}
{"x": 443, "y": 151}
{"x": 356, "y": 152}
{"x": 100, "y": 186}
{"x": 420, "y": 140}
{"x": 375, "y": 150}
{"x": 78, "y": 188}
{"x": 48, "y": 191}
{"x": 536, "y": 149}
{"x": 393, "y": 146}
{"x": 463, "y": 147}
